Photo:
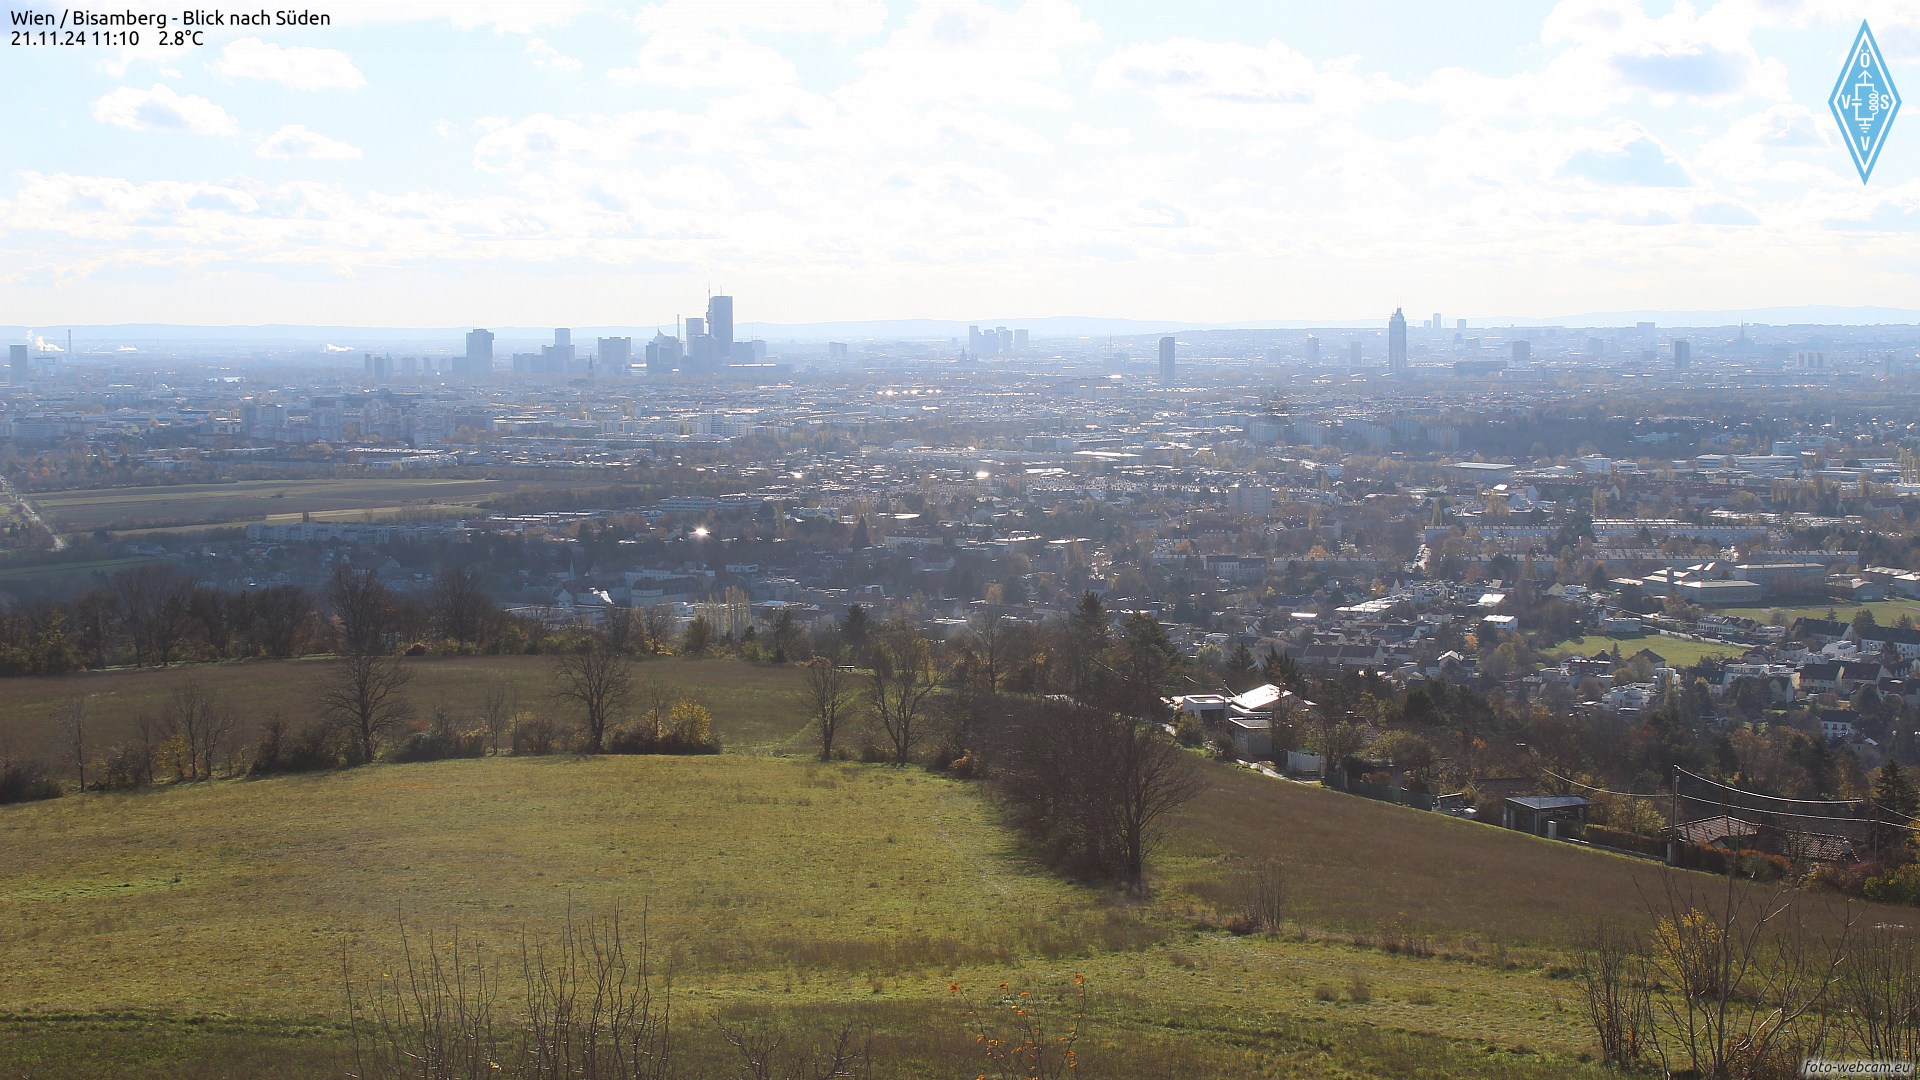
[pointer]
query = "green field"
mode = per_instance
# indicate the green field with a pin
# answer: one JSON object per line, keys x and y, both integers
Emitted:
{"x": 200, "y": 930}
{"x": 216, "y": 505}
{"x": 1682, "y": 652}
{"x": 751, "y": 704}
{"x": 1886, "y": 612}
{"x": 217, "y": 912}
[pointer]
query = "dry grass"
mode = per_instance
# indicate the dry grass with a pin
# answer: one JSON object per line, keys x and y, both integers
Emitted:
{"x": 752, "y": 705}
{"x": 1395, "y": 878}
{"x": 173, "y": 931}
{"x": 134, "y": 508}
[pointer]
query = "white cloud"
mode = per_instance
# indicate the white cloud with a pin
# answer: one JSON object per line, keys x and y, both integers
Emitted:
{"x": 295, "y": 141}
{"x": 836, "y": 18}
{"x": 965, "y": 52}
{"x": 702, "y": 59}
{"x": 546, "y": 56}
{"x": 1226, "y": 84}
{"x": 159, "y": 108}
{"x": 299, "y": 67}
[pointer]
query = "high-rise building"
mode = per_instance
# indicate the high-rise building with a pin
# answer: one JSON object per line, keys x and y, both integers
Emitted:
{"x": 479, "y": 359}
{"x": 1313, "y": 349}
{"x": 1166, "y": 359}
{"x": 1437, "y": 323}
{"x": 1397, "y": 342}
{"x": 1354, "y": 355}
{"x": 700, "y": 356}
{"x": 663, "y": 353}
{"x": 1005, "y": 343}
{"x": 973, "y": 341}
{"x": 720, "y": 328}
{"x": 1459, "y": 324}
{"x": 1019, "y": 341}
{"x": 614, "y": 355}
{"x": 558, "y": 358}
{"x": 1682, "y": 354}
{"x": 17, "y": 365}
{"x": 1522, "y": 353}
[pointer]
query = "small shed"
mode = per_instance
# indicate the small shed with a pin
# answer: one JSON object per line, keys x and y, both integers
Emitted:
{"x": 1252, "y": 737}
{"x": 1544, "y": 815}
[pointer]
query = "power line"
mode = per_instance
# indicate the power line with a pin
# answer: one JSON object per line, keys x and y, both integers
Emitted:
{"x": 1853, "y": 805}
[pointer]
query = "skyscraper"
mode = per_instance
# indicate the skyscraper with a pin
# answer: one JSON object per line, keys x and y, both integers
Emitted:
{"x": 1682, "y": 354}
{"x": 558, "y": 358}
{"x": 17, "y": 365}
{"x": 663, "y": 353}
{"x": 720, "y": 328}
{"x": 1397, "y": 342}
{"x": 614, "y": 355}
{"x": 1522, "y": 353}
{"x": 1166, "y": 359}
{"x": 479, "y": 360}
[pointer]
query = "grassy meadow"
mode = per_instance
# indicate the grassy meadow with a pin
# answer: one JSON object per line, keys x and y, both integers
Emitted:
{"x": 829, "y": 892}
{"x": 1682, "y": 652}
{"x": 200, "y": 930}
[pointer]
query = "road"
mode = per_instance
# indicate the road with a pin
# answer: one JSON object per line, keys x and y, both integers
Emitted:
{"x": 33, "y": 514}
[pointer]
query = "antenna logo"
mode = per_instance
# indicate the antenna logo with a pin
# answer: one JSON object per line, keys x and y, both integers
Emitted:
{"x": 1864, "y": 102}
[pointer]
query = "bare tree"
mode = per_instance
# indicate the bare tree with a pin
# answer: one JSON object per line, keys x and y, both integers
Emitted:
{"x": 462, "y": 610}
{"x": 827, "y": 693}
{"x": 364, "y": 607}
{"x": 367, "y": 699}
{"x": 901, "y": 682}
{"x": 196, "y": 716}
{"x": 1739, "y": 974}
{"x": 992, "y": 644}
{"x": 656, "y": 627}
{"x": 154, "y": 611}
{"x": 73, "y": 732}
{"x": 498, "y": 702}
{"x": 1618, "y": 984}
{"x": 1880, "y": 993}
{"x": 599, "y": 681}
{"x": 1154, "y": 777}
{"x": 1094, "y": 788}
{"x": 280, "y": 614}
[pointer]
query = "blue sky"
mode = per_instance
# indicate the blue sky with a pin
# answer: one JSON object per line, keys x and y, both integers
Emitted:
{"x": 485, "y": 162}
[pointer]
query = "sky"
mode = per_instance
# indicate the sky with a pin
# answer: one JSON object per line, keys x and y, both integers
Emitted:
{"x": 510, "y": 162}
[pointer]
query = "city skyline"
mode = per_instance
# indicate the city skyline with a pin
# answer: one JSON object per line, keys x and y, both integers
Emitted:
{"x": 854, "y": 161}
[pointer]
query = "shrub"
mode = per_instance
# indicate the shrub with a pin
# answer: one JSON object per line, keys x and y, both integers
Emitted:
{"x": 124, "y": 766}
{"x": 313, "y": 748}
{"x": 440, "y": 740}
{"x": 536, "y": 734}
{"x": 688, "y": 729}
{"x": 1900, "y": 886}
{"x": 1607, "y": 836}
{"x": 25, "y": 780}
{"x": 437, "y": 746}
{"x": 1189, "y": 731}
